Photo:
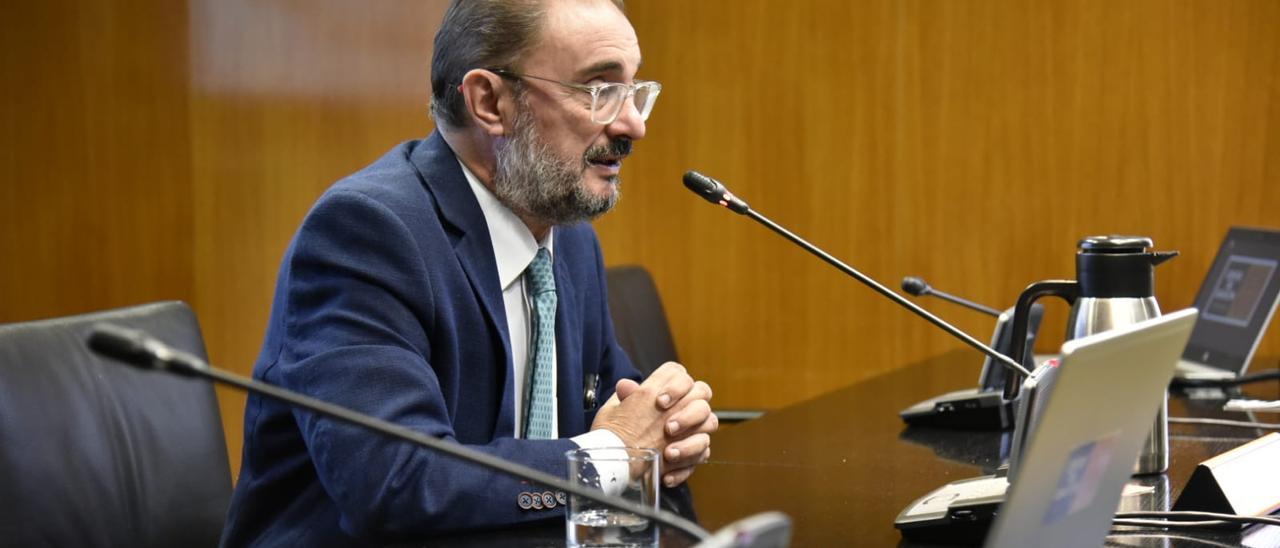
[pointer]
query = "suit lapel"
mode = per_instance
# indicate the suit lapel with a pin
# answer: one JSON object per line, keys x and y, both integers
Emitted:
{"x": 469, "y": 234}
{"x": 568, "y": 346}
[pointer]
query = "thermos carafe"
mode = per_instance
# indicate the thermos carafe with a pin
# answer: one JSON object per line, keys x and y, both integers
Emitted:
{"x": 1114, "y": 287}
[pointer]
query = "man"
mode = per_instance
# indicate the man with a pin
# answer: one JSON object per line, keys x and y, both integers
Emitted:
{"x": 417, "y": 290}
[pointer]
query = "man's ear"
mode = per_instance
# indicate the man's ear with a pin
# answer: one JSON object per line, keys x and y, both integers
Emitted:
{"x": 485, "y": 103}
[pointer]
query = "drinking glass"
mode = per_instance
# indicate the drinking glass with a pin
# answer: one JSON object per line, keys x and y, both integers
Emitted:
{"x": 627, "y": 472}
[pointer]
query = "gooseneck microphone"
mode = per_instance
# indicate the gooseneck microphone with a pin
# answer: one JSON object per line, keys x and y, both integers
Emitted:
{"x": 715, "y": 192}
{"x": 916, "y": 286}
{"x": 921, "y": 288}
{"x": 141, "y": 350}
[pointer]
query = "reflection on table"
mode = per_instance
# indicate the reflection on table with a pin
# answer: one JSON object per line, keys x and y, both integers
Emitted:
{"x": 843, "y": 465}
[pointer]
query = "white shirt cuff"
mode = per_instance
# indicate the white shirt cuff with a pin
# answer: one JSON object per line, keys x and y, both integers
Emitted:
{"x": 615, "y": 475}
{"x": 597, "y": 439}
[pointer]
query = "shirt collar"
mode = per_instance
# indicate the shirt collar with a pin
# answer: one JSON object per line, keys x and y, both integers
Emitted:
{"x": 513, "y": 244}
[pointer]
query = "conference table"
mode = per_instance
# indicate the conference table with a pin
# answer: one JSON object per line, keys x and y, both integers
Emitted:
{"x": 843, "y": 465}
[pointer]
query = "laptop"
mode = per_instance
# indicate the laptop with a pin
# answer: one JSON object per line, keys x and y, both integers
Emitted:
{"x": 1088, "y": 431}
{"x": 1236, "y": 301}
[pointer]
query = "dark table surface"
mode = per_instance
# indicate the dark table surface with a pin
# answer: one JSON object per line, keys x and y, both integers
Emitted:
{"x": 843, "y": 465}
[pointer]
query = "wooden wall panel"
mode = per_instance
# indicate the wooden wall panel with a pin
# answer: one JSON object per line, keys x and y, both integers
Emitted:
{"x": 971, "y": 143}
{"x": 95, "y": 195}
{"x": 159, "y": 150}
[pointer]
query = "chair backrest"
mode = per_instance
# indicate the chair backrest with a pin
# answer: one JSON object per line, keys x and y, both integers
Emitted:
{"x": 639, "y": 321}
{"x": 96, "y": 453}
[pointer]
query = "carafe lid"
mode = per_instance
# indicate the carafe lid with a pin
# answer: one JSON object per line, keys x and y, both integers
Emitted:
{"x": 1118, "y": 266}
{"x": 1115, "y": 244}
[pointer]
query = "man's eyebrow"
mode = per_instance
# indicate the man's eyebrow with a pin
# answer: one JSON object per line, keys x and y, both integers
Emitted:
{"x": 600, "y": 67}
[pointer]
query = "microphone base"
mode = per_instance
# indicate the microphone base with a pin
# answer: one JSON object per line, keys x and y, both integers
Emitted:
{"x": 970, "y": 409}
{"x": 960, "y": 512}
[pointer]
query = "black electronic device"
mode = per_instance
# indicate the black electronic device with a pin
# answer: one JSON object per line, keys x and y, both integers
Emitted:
{"x": 962, "y": 511}
{"x": 1237, "y": 299}
{"x": 984, "y": 407}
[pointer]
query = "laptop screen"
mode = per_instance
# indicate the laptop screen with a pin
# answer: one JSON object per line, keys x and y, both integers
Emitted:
{"x": 1236, "y": 299}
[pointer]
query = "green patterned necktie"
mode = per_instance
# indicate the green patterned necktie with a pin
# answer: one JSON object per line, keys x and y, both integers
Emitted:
{"x": 539, "y": 391}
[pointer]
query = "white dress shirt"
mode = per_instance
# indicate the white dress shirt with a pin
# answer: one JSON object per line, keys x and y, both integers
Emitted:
{"x": 513, "y": 249}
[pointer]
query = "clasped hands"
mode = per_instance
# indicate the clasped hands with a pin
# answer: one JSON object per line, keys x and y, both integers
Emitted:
{"x": 669, "y": 412}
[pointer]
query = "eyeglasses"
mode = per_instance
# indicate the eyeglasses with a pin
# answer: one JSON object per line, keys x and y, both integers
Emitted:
{"x": 607, "y": 100}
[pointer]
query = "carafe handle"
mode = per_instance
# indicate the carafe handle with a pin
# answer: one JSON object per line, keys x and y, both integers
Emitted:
{"x": 1068, "y": 290}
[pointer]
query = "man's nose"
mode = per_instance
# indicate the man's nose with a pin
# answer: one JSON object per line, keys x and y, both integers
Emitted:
{"x": 627, "y": 124}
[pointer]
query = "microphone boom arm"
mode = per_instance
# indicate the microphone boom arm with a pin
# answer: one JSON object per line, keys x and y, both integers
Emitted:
{"x": 134, "y": 348}
{"x": 715, "y": 192}
{"x": 921, "y": 288}
{"x": 866, "y": 280}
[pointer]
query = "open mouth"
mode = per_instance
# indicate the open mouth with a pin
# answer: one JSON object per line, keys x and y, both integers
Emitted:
{"x": 606, "y": 161}
{"x": 609, "y": 156}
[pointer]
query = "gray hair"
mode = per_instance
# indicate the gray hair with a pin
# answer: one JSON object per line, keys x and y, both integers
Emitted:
{"x": 480, "y": 34}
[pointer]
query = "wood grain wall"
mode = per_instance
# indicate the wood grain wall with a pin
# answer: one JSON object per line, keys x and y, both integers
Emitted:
{"x": 95, "y": 196}
{"x": 970, "y": 143}
{"x": 157, "y": 150}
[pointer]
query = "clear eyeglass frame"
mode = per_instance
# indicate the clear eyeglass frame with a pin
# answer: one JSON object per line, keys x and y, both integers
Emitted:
{"x": 608, "y": 99}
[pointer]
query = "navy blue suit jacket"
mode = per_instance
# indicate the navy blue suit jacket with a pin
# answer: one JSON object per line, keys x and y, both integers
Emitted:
{"x": 388, "y": 303}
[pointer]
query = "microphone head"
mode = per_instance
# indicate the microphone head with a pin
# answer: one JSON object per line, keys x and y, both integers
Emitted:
{"x": 713, "y": 191}
{"x": 700, "y": 183}
{"x": 710, "y": 189}
{"x": 915, "y": 286}
{"x": 123, "y": 344}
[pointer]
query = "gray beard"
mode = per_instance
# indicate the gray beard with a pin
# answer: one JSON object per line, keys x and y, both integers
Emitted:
{"x": 532, "y": 181}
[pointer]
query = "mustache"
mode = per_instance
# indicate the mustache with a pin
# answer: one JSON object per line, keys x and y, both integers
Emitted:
{"x": 619, "y": 147}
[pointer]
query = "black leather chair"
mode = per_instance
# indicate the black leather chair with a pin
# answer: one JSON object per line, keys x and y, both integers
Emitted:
{"x": 639, "y": 321}
{"x": 96, "y": 453}
{"x": 640, "y": 325}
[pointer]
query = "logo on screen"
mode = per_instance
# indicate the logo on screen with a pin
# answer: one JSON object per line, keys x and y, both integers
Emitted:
{"x": 1081, "y": 477}
{"x": 1238, "y": 290}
